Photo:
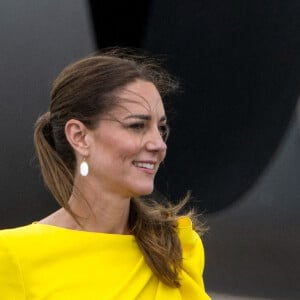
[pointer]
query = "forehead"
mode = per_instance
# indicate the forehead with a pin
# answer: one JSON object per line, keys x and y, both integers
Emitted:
{"x": 139, "y": 97}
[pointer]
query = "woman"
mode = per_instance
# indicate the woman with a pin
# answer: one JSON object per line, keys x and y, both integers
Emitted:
{"x": 99, "y": 147}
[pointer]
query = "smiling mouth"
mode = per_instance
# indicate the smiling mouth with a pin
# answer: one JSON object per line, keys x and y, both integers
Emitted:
{"x": 144, "y": 165}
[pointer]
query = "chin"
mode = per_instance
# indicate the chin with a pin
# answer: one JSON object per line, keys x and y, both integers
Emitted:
{"x": 143, "y": 191}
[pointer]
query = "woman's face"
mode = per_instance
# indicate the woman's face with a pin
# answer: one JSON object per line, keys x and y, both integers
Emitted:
{"x": 128, "y": 145}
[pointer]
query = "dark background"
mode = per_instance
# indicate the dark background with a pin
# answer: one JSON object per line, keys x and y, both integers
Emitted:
{"x": 235, "y": 135}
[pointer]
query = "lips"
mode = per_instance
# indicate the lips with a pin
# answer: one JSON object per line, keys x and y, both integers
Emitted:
{"x": 144, "y": 165}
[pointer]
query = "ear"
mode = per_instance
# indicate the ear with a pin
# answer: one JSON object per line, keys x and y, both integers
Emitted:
{"x": 76, "y": 134}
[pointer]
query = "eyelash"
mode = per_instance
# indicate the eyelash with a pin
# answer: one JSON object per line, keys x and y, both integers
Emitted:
{"x": 137, "y": 126}
{"x": 163, "y": 129}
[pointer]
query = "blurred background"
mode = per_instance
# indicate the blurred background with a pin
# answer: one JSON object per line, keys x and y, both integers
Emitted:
{"x": 235, "y": 139}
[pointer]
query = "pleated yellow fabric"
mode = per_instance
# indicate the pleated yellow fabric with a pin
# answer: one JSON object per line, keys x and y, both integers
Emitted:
{"x": 41, "y": 261}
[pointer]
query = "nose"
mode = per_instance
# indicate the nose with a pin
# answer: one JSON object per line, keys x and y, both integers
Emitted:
{"x": 155, "y": 141}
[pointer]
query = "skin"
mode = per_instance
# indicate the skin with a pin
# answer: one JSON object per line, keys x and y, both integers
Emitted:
{"x": 123, "y": 152}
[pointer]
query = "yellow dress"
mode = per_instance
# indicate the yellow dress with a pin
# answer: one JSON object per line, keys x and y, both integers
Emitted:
{"x": 46, "y": 262}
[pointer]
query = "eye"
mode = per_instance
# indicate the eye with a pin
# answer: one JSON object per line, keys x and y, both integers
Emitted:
{"x": 164, "y": 131}
{"x": 137, "y": 125}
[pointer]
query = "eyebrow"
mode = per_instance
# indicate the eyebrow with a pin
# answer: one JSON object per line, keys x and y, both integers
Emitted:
{"x": 144, "y": 117}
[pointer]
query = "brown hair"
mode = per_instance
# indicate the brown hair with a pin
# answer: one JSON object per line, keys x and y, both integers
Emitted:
{"x": 84, "y": 90}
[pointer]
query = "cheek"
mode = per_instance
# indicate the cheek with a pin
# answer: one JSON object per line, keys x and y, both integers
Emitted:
{"x": 122, "y": 148}
{"x": 128, "y": 150}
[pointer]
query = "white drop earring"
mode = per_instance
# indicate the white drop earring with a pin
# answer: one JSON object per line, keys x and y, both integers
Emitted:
{"x": 84, "y": 168}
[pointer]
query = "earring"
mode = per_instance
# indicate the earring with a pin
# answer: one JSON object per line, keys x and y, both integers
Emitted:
{"x": 84, "y": 168}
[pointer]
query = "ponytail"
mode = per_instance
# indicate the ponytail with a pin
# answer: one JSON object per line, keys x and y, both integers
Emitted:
{"x": 56, "y": 175}
{"x": 155, "y": 229}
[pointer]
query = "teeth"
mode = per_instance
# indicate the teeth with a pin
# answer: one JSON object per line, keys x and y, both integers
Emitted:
{"x": 144, "y": 165}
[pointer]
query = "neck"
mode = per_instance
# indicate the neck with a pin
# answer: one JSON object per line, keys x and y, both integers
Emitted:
{"x": 97, "y": 210}
{"x": 108, "y": 213}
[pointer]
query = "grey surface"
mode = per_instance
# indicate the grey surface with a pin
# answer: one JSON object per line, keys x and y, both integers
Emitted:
{"x": 37, "y": 39}
{"x": 219, "y": 296}
{"x": 253, "y": 247}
